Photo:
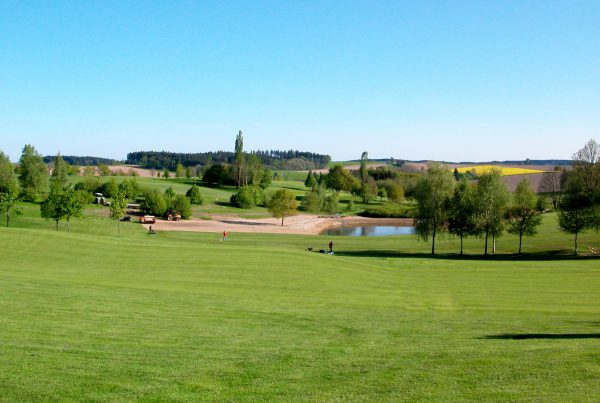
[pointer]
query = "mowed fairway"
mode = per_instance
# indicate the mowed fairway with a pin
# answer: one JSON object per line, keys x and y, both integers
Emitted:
{"x": 182, "y": 316}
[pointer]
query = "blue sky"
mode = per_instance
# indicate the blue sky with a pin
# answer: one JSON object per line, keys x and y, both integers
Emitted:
{"x": 451, "y": 80}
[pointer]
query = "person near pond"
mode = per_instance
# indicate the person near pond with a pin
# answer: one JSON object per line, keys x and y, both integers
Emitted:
{"x": 331, "y": 247}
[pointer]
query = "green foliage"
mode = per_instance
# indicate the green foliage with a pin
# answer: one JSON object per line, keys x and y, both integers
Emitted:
{"x": 217, "y": 174}
{"x": 340, "y": 179}
{"x": 311, "y": 202}
{"x": 523, "y": 215}
{"x": 189, "y": 172}
{"x": 179, "y": 171}
{"x": 491, "y": 201}
{"x": 59, "y": 172}
{"x": 266, "y": 179}
{"x": 331, "y": 204}
{"x": 254, "y": 169}
{"x": 388, "y": 210}
{"x": 61, "y": 203}
{"x": 170, "y": 193}
{"x": 33, "y": 174}
{"x": 239, "y": 164}
{"x": 381, "y": 193}
{"x": 9, "y": 189}
{"x": 283, "y": 204}
{"x": 310, "y": 180}
{"x": 154, "y": 203}
{"x": 166, "y": 174}
{"x": 462, "y": 211}
{"x": 393, "y": 190}
{"x": 368, "y": 190}
{"x": 181, "y": 205}
{"x": 432, "y": 195}
{"x": 117, "y": 206}
{"x": 248, "y": 196}
{"x": 194, "y": 195}
{"x": 364, "y": 168}
{"x": 104, "y": 170}
{"x": 109, "y": 188}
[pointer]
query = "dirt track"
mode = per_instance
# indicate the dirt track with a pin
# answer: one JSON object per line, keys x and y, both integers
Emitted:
{"x": 301, "y": 224}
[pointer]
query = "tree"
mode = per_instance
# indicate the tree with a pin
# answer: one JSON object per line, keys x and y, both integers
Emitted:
{"x": 254, "y": 169}
{"x": 266, "y": 179}
{"x": 364, "y": 168}
{"x": 33, "y": 174}
{"x": 71, "y": 205}
{"x": 117, "y": 207}
{"x": 189, "y": 172}
{"x": 59, "y": 172}
{"x": 9, "y": 189}
{"x": 310, "y": 179}
{"x": 194, "y": 195}
{"x": 181, "y": 205}
{"x": 368, "y": 190}
{"x": 432, "y": 193}
{"x": 552, "y": 184}
{"x": 166, "y": 174}
{"x": 283, "y": 204}
{"x": 576, "y": 213}
{"x": 340, "y": 179}
{"x": 154, "y": 202}
{"x": 53, "y": 207}
{"x": 179, "y": 171}
{"x": 523, "y": 215}
{"x": 239, "y": 160}
{"x": 104, "y": 170}
{"x": 461, "y": 212}
{"x": 491, "y": 200}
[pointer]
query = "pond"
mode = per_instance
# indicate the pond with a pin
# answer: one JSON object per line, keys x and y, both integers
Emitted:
{"x": 370, "y": 230}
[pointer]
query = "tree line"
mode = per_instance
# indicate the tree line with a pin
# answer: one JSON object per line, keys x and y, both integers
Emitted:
{"x": 486, "y": 209}
{"x": 275, "y": 159}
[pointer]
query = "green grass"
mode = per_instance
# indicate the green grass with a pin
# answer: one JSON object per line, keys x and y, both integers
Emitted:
{"x": 183, "y": 316}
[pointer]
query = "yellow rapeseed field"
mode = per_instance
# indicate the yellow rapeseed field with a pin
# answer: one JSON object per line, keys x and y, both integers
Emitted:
{"x": 481, "y": 169}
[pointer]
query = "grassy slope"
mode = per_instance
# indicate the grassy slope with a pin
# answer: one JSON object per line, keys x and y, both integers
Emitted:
{"x": 183, "y": 316}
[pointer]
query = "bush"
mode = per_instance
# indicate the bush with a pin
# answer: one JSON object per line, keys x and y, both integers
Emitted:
{"x": 194, "y": 195}
{"x": 388, "y": 210}
{"x": 394, "y": 190}
{"x": 181, "y": 206}
{"x": 154, "y": 203}
{"x": 331, "y": 204}
{"x": 311, "y": 202}
{"x": 248, "y": 197}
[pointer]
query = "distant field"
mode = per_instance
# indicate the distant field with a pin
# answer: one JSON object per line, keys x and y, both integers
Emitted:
{"x": 506, "y": 171}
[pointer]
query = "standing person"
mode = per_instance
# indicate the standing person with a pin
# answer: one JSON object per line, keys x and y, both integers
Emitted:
{"x": 224, "y": 236}
{"x": 331, "y": 247}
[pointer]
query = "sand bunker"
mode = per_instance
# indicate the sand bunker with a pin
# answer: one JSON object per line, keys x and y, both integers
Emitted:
{"x": 303, "y": 224}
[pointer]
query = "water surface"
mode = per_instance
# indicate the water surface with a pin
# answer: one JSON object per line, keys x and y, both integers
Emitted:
{"x": 370, "y": 230}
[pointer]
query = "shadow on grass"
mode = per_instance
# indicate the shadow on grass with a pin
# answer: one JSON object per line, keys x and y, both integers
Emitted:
{"x": 541, "y": 336}
{"x": 548, "y": 255}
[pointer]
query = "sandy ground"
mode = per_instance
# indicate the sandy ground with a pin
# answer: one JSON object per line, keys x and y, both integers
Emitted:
{"x": 144, "y": 173}
{"x": 301, "y": 224}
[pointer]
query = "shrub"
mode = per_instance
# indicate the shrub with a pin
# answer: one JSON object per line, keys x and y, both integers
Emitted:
{"x": 154, "y": 203}
{"x": 194, "y": 195}
{"x": 331, "y": 204}
{"x": 388, "y": 210}
{"x": 311, "y": 202}
{"x": 181, "y": 206}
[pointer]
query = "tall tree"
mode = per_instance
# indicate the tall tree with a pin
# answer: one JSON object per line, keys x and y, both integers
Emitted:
{"x": 491, "y": 198}
{"x": 283, "y": 204}
{"x": 523, "y": 216}
{"x": 461, "y": 212}
{"x": 364, "y": 167}
{"x": 432, "y": 193}
{"x": 254, "y": 169}
{"x": 239, "y": 160}
{"x": 9, "y": 188}
{"x": 33, "y": 173}
{"x": 59, "y": 172}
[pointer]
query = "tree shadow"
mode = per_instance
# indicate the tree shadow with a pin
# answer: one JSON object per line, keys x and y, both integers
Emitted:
{"x": 546, "y": 336}
{"x": 540, "y": 256}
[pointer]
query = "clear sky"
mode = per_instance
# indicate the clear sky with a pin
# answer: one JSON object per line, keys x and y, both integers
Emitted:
{"x": 450, "y": 80}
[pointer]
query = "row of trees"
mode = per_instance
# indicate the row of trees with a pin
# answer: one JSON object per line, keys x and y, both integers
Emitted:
{"x": 487, "y": 209}
{"x": 272, "y": 158}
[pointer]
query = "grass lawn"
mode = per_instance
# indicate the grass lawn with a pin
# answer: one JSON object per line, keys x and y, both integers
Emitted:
{"x": 182, "y": 316}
